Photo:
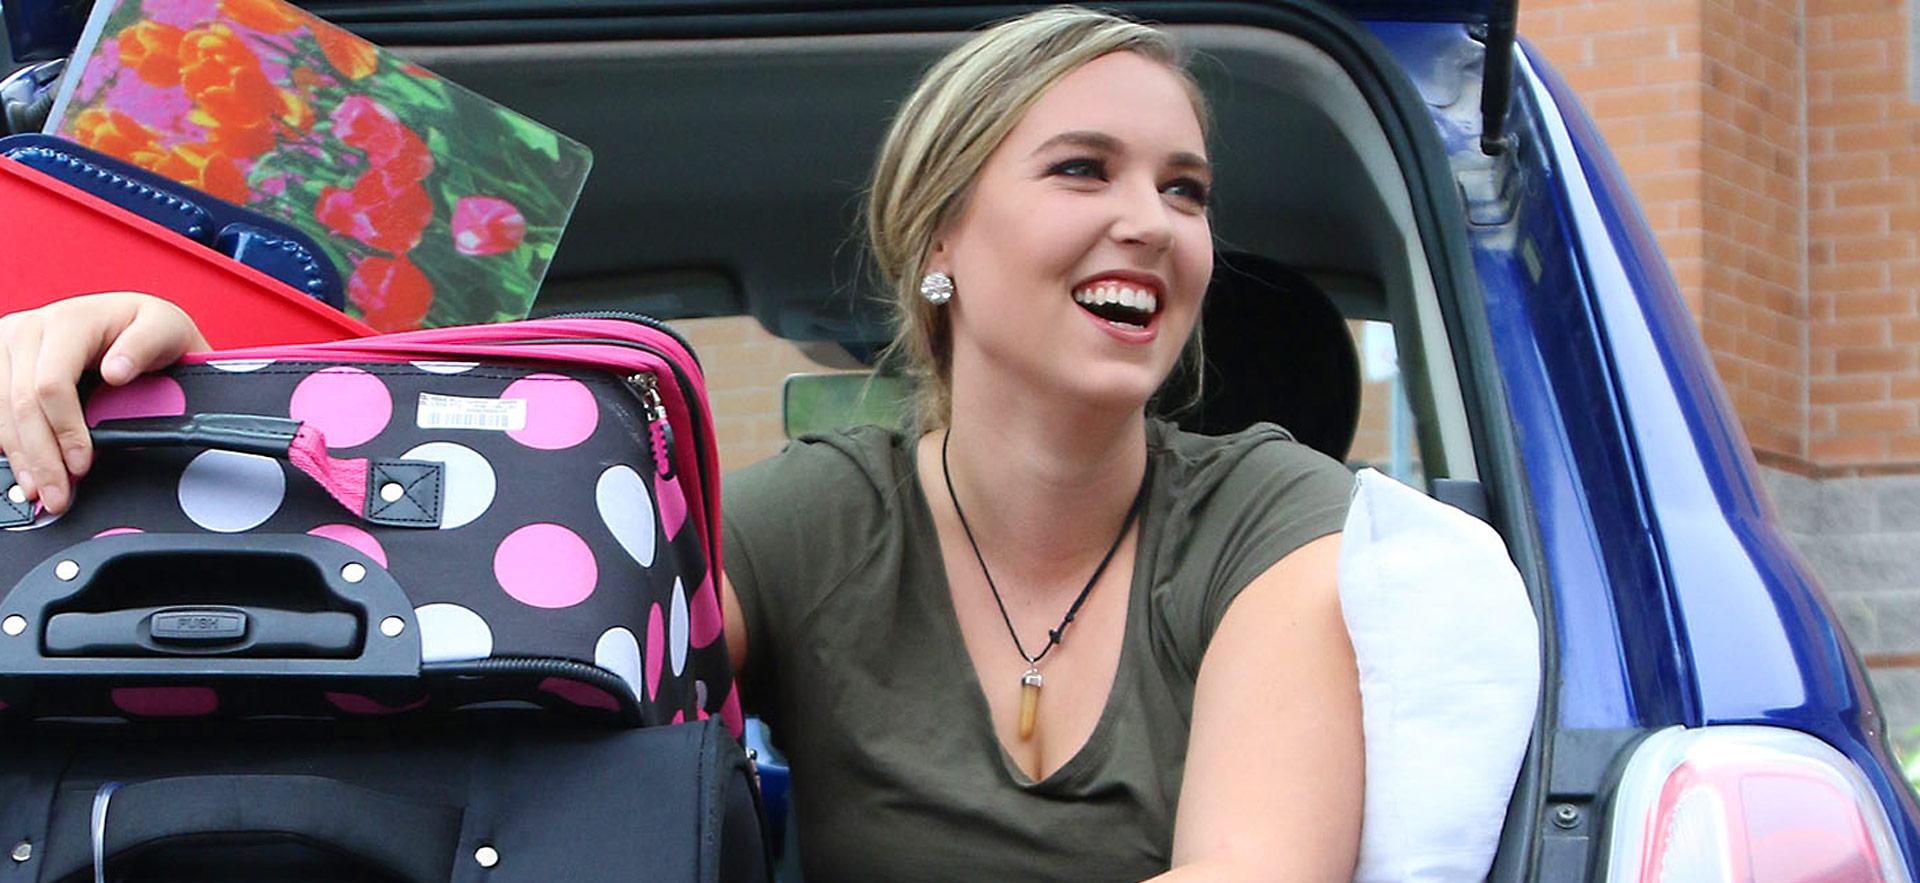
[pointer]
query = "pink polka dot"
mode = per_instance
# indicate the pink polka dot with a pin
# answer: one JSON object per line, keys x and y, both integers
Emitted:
{"x": 354, "y": 703}
{"x": 561, "y": 411}
{"x": 116, "y": 531}
{"x": 155, "y": 395}
{"x": 166, "y": 701}
{"x": 656, "y": 649}
{"x": 586, "y": 695}
{"x": 704, "y": 615}
{"x": 673, "y": 505}
{"x": 348, "y": 405}
{"x": 3, "y": 706}
{"x": 545, "y": 565}
{"x": 678, "y": 717}
{"x": 355, "y": 537}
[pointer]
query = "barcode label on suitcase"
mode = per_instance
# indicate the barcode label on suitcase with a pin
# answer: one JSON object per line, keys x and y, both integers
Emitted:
{"x": 456, "y": 412}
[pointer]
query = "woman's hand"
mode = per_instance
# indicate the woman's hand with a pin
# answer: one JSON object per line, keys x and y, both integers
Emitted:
{"x": 43, "y": 352}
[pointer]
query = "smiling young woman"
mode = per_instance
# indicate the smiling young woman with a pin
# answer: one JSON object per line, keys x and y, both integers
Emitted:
{"x": 1040, "y": 634}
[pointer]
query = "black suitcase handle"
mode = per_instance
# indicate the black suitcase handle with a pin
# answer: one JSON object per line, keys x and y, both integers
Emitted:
{"x": 405, "y": 838}
{"x": 173, "y": 606}
{"x": 386, "y": 492}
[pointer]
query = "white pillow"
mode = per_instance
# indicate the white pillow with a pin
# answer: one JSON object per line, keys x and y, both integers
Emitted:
{"x": 1449, "y": 658}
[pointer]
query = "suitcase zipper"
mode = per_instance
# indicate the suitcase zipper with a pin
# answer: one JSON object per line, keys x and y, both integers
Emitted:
{"x": 687, "y": 390}
{"x": 659, "y": 429}
{"x": 641, "y": 318}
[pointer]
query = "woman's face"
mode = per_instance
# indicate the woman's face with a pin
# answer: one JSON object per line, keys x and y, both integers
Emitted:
{"x": 1083, "y": 249}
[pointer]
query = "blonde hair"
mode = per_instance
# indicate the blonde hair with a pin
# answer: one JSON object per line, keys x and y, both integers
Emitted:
{"x": 962, "y": 109}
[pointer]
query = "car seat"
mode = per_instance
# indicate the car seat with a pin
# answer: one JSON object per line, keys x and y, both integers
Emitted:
{"x": 1277, "y": 350}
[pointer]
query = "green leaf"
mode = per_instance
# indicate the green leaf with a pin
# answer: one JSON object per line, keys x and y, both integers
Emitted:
{"x": 123, "y": 17}
{"x": 532, "y": 134}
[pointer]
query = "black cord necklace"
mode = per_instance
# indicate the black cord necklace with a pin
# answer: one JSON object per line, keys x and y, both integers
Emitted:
{"x": 1030, "y": 682}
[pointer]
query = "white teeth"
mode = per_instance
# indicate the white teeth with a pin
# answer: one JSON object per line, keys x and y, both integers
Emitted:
{"x": 1107, "y": 293}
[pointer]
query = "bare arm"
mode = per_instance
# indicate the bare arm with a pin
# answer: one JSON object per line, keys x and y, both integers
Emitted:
{"x": 734, "y": 617}
{"x": 1275, "y": 764}
{"x": 43, "y": 352}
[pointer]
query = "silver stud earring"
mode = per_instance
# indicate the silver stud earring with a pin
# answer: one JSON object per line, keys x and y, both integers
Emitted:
{"x": 937, "y": 288}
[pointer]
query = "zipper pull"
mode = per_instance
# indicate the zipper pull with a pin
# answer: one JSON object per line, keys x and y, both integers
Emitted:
{"x": 658, "y": 427}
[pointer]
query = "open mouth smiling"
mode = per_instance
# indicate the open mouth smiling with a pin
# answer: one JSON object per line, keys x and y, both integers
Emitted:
{"x": 1124, "y": 303}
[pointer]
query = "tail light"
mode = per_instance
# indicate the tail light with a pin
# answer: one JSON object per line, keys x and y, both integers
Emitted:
{"x": 1747, "y": 804}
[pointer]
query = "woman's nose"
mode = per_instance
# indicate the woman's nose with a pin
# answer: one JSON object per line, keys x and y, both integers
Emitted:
{"x": 1142, "y": 216}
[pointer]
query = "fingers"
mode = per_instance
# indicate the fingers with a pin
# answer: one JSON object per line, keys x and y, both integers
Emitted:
{"x": 157, "y": 335}
{"x": 63, "y": 358}
{"x": 34, "y": 455}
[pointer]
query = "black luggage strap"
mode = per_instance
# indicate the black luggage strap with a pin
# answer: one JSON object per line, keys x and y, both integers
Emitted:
{"x": 406, "y": 838}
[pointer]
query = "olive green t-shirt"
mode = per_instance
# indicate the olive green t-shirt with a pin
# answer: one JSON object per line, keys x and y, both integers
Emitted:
{"x": 858, "y": 666}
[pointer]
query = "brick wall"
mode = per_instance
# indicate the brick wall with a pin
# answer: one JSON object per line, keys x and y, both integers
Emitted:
{"x": 1708, "y": 133}
{"x": 745, "y": 367}
{"x": 1781, "y": 180}
{"x": 1863, "y": 131}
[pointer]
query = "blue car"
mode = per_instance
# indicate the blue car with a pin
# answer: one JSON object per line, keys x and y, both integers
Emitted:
{"x": 1405, "y": 167}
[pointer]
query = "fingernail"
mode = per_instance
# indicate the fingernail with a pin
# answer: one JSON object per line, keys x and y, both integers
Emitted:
{"x": 118, "y": 366}
{"x": 25, "y": 480}
{"x": 55, "y": 499}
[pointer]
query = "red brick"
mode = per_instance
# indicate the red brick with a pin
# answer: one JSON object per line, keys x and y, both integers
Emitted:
{"x": 1837, "y": 450}
{"x": 1874, "y": 418}
{"x": 1883, "y": 303}
{"x": 1847, "y": 390}
{"x": 1870, "y": 360}
{"x": 1872, "y": 248}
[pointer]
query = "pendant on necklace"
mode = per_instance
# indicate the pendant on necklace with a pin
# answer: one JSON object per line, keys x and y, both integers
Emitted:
{"x": 1029, "y": 701}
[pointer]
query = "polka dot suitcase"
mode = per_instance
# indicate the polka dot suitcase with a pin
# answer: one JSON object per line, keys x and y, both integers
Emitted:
{"x": 522, "y": 513}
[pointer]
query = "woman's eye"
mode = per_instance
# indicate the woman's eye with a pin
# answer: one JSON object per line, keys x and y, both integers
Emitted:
{"x": 1188, "y": 188}
{"x": 1080, "y": 168}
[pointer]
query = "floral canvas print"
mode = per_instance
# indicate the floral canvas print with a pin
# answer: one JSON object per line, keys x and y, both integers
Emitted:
{"x": 439, "y": 206}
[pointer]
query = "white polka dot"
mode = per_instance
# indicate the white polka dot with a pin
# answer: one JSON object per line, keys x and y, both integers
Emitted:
{"x": 452, "y": 633}
{"x": 627, "y": 509}
{"x": 618, "y": 651}
{"x": 468, "y": 483}
{"x": 677, "y": 629}
{"x": 42, "y": 520}
{"x": 240, "y": 366}
{"x": 446, "y": 367}
{"x": 227, "y": 492}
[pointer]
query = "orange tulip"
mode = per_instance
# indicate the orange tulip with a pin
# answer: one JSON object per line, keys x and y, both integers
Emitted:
{"x": 112, "y": 133}
{"x": 241, "y": 140}
{"x": 205, "y": 167}
{"x": 224, "y": 79}
{"x": 270, "y": 16}
{"x": 151, "y": 50}
{"x": 295, "y": 111}
{"x": 351, "y": 56}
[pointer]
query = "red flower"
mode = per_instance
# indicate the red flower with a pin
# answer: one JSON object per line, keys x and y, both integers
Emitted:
{"x": 270, "y": 16}
{"x": 486, "y": 225}
{"x": 152, "y": 50}
{"x": 353, "y": 57}
{"x": 205, "y": 167}
{"x": 114, "y": 133}
{"x": 391, "y": 293}
{"x": 224, "y": 79}
{"x": 361, "y": 122}
{"x": 380, "y": 210}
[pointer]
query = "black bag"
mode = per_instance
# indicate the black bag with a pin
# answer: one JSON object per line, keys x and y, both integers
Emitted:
{"x": 491, "y": 798}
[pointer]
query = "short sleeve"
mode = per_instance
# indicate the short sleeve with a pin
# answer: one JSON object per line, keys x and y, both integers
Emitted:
{"x": 1252, "y": 501}
{"x": 792, "y": 526}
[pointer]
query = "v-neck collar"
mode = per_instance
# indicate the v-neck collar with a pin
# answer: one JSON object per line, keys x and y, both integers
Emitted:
{"x": 1097, "y": 746}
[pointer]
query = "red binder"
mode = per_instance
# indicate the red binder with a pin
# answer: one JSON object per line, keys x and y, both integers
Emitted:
{"x": 57, "y": 241}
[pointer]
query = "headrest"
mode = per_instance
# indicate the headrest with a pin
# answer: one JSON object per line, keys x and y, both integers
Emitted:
{"x": 1277, "y": 350}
